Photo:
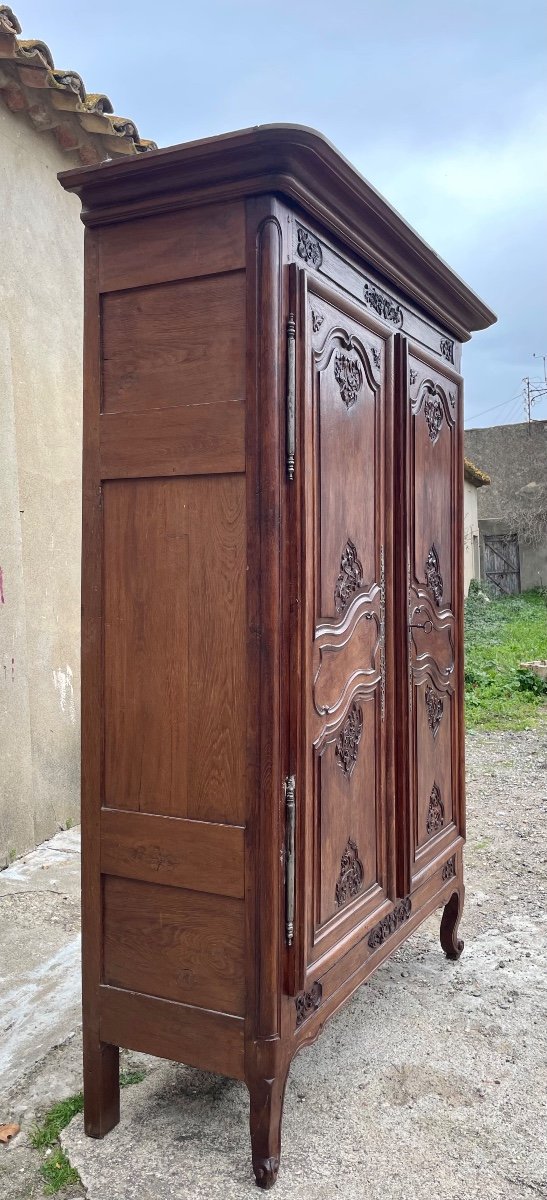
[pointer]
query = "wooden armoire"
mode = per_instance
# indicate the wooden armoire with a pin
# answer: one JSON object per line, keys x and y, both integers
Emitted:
{"x": 272, "y": 770}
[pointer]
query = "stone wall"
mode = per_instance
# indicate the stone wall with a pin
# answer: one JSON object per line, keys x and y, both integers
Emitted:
{"x": 41, "y": 283}
{"x": 514, "y": 456}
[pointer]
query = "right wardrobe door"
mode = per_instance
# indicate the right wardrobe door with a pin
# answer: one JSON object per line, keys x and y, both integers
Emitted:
{"x": 429, "y": 776}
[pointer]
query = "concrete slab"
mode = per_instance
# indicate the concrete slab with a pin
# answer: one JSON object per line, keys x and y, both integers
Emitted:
{"x": 40, "y": 992}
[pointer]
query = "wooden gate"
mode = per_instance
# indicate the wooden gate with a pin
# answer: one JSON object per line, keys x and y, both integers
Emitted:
{"x": 502, "y": 562}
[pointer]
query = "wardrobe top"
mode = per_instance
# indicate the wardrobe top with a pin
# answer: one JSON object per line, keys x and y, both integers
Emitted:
{"x": 295, "y": 162}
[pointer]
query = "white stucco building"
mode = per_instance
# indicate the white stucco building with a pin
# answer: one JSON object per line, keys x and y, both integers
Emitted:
{"x": 473, "y": 479}
{"x": 47, "y": 123}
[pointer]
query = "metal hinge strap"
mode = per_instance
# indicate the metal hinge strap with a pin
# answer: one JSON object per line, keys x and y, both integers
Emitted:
{"x": 290, "y": 822}
{"x": 291, "y": 395}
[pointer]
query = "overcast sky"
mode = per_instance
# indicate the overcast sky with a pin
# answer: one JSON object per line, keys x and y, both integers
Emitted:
{"x": 442, "y": 106}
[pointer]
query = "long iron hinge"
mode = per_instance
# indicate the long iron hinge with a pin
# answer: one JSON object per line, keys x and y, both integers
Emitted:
{"x": 291, "y": 395}
{"x": 290, "y": 822}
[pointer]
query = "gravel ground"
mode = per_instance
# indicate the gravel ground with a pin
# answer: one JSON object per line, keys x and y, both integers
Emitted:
{"x": 430, "y": 1083}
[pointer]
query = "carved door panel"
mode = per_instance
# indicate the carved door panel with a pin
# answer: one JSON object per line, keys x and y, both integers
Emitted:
{"x": 434, "y": 592}
{"x": 342, "y": 761}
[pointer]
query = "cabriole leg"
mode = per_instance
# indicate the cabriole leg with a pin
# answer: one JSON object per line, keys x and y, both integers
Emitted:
{"x": 266, "y": 1111}
{"x": 451, "y": 944}
{"x": 101, "y": 1087}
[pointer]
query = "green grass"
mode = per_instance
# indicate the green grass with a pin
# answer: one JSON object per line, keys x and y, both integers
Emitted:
{"x": 498, "y": 637}
{"x": 56, "y": 1170}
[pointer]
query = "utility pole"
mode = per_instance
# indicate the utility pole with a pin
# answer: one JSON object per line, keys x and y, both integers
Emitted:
{"x": 533, "y": 391}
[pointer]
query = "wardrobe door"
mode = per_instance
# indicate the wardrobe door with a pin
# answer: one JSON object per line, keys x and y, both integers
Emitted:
{"x": 345, "y": 376}
{"x": 429, "y": 779}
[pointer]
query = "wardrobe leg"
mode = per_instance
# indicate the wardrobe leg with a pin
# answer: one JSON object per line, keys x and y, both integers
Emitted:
{"x": 451, "y": 944}
{"x": 101, "y": 1087}
{"x": 266, "y": 1111}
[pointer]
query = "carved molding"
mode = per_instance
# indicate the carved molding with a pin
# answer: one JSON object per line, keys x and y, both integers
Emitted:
{"x": 435, "y": 811}
{"x": 308, "y": 1002}
{"x": 390, "y": 924}
{"x": 317, "y": 319}
{"x": 347, "y": 742}
{"x": 433, "y": 413}
{"x": 383, "y": 305}
{"x": 350, "y": 879}
{"x": 349, "y": 378}
{"x": 435, "y": 708}
{"x": 449, "y": 870}
{"x": 308, "y": 247}
{"x": 446, "y": 347}
{"x": 433, "y": 577}
{"x": 350, "y": 578}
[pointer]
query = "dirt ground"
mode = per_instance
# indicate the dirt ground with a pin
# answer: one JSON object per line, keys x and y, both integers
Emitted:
{"x": 430, "y": 1084}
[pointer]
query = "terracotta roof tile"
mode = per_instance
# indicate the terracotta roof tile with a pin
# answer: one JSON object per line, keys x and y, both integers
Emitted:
{"x": 474, "y": 475}
{"x": 56, "y": 100}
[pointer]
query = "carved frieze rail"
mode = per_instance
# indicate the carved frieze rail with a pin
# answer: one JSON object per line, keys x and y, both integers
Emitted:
{"x": 388, "y": 925}
{"x": 308, "y": 1002}
{"x": 383, "y": 305}
{"x": 308, "y": 248}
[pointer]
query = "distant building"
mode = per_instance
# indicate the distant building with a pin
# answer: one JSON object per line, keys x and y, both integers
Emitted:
{"x": 48, "y": 122}
{"x": 473, "y": 480}
{"x": 512, "y": 512}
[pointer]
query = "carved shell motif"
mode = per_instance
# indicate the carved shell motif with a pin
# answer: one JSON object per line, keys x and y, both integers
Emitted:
{"x": 435, "y": 811}
{"x": 435, "y": 708}
{"x": 350, "y": 578}
{"x": 350, "y": 879}
{"x": 433, "y": 577}
{"x": 347, "y": 742}
{"x": 349, "y": 378}
{"x": 433, "y": 412}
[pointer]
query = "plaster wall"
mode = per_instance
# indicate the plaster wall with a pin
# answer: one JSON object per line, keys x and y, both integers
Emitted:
{"x": 471, "y": 560}
{"x": 514, "y": 456}
{"x": 41, "y": 303}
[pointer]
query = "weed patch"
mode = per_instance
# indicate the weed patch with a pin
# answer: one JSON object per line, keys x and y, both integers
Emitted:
{"x": 499, "y": 693}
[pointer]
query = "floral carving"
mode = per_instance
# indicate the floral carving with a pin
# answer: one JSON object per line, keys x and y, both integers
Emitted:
{"x": 376, "y": 357}
{"x": 390, "y": 924}
{"x": 449, "y": 870}
{"x": 433, "y": 412}
{"x": 350, "y": 578}
{"x": 308, "y": 248}
{"x": 308, "y": 1002}
{"x": 433, "y": 577}
{"x": 446, "y": 348}
{"x": 435, "y": 811}
{"x": 350, "y": 879}
{"x": 347, "y": 742}
{"x": 435, "y": 707}
{"x": 317, "y": 319}
{"x": 383, "y": 305}
{"x": 413, "y": 376}
{"x": 349, "y": 378}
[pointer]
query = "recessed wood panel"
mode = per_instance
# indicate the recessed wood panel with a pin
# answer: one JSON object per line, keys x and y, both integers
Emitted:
{"x": 212, "y": 1041}
{"x": 176, "y": 944}
{"x": 177, "y": 344}
{"x": 348, "y": 791}
{"x": 200, "y": 855}
{"x": 179, "y": 245}
{"x": 199, "y": 440}
{"x": 174, "y": 647}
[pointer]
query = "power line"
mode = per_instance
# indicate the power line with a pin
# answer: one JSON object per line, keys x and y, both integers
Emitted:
{"x": 475, "y": 416}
